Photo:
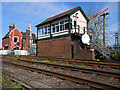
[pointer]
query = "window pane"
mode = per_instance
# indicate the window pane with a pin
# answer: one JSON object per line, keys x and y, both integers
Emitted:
{"x": 53, "y": 25}
{"x": 45, "y": 30}
{"x": 15, "y": 39}
{"x": 57, "y": 23}
{"x": 62, "y": 22}
{"x": 48, "y": 29}
{"x": 53, "y": 28}
{"x": 66, "y": 26}
{"x": 57, "y": 28}
{"x": 40, "y": 31}
{"x": 61, "y": 27}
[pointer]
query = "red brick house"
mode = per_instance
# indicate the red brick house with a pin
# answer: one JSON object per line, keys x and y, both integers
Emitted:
{"x": 17, "y": 40}
{"x": 61, "y": 36}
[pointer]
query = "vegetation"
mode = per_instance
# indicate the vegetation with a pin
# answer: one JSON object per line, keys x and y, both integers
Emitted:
{"x": 47, "y": 61}
{"x": 8, "y": 83}
{"x": 116, "y": 56}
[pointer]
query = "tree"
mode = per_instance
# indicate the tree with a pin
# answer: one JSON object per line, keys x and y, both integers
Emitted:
{"x": 95, "y": 27}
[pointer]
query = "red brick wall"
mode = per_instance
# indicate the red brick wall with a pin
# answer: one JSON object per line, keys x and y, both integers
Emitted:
{"x": 82, "y": 53}
{"x": 25, "y": 43}
{"x": 16, "y": 34}
{"x": 5, "y": 42}
{"x": 61, "y": 47}
{"x": 54, "y": 47}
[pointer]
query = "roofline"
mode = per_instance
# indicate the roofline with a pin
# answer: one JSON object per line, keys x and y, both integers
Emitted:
{"x": 16, "y": 29}
{"x": 79, "y": 8}
{"x": 69, "y": 14}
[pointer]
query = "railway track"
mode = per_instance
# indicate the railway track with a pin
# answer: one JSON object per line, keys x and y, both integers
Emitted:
{"x": 101, "y": 72}
{"x": 91, "y": 83}
{"x": 111, "y": 64}
{"x": 26, "y": 82}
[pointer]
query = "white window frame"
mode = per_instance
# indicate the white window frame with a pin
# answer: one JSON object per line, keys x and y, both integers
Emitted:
{"x": 43, "y": 31}
{"x": 59, "y": 26}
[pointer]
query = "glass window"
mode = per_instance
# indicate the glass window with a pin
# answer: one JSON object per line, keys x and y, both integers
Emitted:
{"x": 57, "y": 27}
{"x": 61, "y": 25}
{"x": 15, "y": 39}
{"x": 45, "y": 30}
{"x": 40, "y": 31}
{"x": 48, "y": 29}
{"x": 53, "y": 28}
{"x": 66, "y": 25}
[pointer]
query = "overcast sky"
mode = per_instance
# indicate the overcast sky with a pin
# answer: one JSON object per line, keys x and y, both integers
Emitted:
{"x": 24, "y": 13}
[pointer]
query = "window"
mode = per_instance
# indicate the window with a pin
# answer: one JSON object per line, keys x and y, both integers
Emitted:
{"x": 61, "y": 25}
{"x": 57, "y": 27}
{"x": 49, "y": 29}
{"x": 45, "y": 30}
{"x": 15, "y": 39}
{"x": 53, "y": 28}
{"x": 40, "y": 31}
{"x": 66, "y": 25}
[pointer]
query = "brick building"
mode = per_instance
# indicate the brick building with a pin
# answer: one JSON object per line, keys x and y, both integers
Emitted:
{"x": 17, "y": 40}
{"x": 61, "y": 35}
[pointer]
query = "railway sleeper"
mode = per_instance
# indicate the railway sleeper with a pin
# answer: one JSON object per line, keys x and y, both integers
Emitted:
{"x": 73, "y": 78}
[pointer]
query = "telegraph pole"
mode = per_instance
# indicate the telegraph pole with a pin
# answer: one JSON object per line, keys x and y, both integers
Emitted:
{"x": 104, "y": 14}
{"x": 116, "y": 42}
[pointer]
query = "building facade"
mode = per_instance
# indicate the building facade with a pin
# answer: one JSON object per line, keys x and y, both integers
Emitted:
{"x": 61, "y": 35}
{"x": 16, "y": 40}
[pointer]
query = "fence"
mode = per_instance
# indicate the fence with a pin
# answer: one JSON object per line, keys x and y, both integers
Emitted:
{"x": 15, "y": 52}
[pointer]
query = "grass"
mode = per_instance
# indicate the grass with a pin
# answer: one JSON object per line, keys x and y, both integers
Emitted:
{"x": 47, "y": 61}
{"x": 8, "y": 83}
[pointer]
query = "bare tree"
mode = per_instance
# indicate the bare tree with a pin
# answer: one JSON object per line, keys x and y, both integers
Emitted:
{"x": 95, "y": 27}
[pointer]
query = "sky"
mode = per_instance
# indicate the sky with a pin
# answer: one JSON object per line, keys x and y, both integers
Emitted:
{"x": 24, "y": 13}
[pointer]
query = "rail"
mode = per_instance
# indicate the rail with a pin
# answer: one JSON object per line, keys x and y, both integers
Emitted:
{"x": 91, "y": 83}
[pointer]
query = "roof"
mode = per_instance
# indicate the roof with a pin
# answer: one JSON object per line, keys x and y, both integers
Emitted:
{"x": 24, "y": 35}
{"x": 69, "y": 12}
{"x": 6, "y": 36}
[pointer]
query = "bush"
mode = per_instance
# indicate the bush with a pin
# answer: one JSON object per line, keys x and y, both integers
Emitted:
{"x": 116, "y": 56}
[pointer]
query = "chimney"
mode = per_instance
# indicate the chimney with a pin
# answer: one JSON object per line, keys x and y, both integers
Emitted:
{"x": 27, "y": 31}
{"x": 11, "y": 27}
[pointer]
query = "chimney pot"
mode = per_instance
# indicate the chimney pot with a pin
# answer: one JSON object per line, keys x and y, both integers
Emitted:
{"x": 11, "y": 27}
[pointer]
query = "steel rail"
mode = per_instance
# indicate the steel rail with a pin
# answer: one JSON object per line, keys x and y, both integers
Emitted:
{"x": 26, "y": 82}
{"x": 86, "y": 63}
{"x": 91, "y": 83}
{"x": 10, "y": 74}
{"x": 92, "y": 62}
{"x": 86, "y": 60}
{"x": 115, "y": 74}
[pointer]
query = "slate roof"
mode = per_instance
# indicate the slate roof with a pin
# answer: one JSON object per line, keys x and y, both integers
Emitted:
{"x": 6, "y": 36}
{"x": 24, "y": 35}
{"x": 61, "y": 15}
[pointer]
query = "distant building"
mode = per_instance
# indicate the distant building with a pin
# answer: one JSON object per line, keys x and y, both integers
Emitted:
{"x": 17, "y": 40}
